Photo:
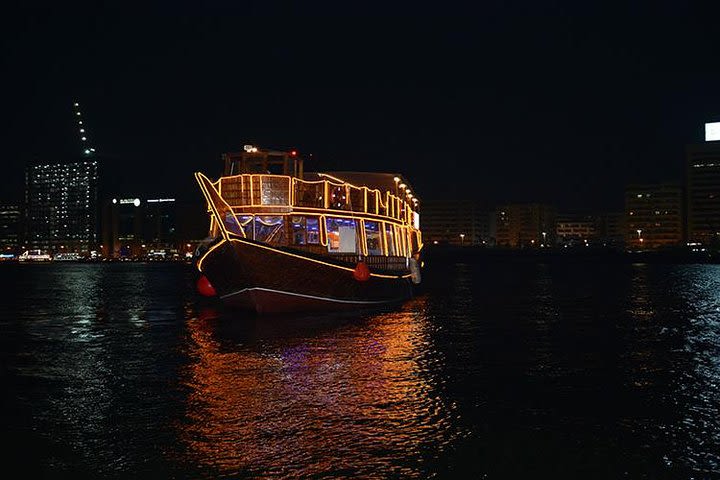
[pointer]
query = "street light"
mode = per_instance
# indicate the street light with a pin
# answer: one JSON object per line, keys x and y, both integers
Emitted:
{"x": 640, "y": 239}
{"x": 462, "y": 239}
{"x": 544, "y": 238}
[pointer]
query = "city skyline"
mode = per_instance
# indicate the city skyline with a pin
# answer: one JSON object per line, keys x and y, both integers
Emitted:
{"x": 564, "y": 105}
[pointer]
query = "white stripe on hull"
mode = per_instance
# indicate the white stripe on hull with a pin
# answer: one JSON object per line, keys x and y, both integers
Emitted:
{"x": 327, "y": 299}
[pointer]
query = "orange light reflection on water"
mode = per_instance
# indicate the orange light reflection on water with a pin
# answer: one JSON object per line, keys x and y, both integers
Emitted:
{"x": 354, "y": 399}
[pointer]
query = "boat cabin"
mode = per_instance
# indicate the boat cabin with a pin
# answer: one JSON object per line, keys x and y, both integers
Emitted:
{"x": 266, "y": 196}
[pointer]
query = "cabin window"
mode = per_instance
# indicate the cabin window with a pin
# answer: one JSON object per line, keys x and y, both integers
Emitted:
{"x": 275, "y": 190}
{"x": 310, "y": 194}
{"x": 270, "y": 229}
{"x": 299, "y": 233}
{"x": 305, "y": 230}
{"x": 342, "y": 235}
{"x": 313, "y": 230}
{"x": 373, "y": 237}
{"x": 390, "y": 239}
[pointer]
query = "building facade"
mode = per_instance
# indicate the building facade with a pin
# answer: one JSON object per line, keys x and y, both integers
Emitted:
{"x": 456, "y": 222}
{"x": 61, "y": 201}
{"x": 529, "y": 225}
{"x": 611, "y": 228}
{"x": 10, "y": 228}
{"x": 575, "y": 229}
{"x": 703, "y": 193}
{"x": 133, "y": 227}
{"x": 654, "y": 216}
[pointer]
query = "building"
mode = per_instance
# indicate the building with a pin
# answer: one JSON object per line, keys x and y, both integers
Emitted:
{"x": 703, "y": 193}
{"x": 611, "y": 228}
{"x": 160, "y": 222}
{"x": 528, "y": 225}
{"x": 62, "y": 206}
{"x": 654, "y": 215}
{"x": 10, "y": 228}
{"x": 456, "y": 222}
{"x": 141, "y": 228}
{"x": 575, "y": 229}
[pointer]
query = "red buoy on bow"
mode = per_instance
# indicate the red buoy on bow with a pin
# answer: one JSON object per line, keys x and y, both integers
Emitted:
{"x": 361, "y": 272}
{"x": 204, "y": 287}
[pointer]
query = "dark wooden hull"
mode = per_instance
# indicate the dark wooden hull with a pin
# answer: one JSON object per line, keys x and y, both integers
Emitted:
{"x": 252, "y": 276}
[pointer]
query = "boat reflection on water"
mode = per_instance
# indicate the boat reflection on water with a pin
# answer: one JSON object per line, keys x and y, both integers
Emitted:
{"x": 329, "y": 395}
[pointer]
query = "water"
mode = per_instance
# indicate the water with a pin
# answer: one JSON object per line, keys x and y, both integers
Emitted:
{"x": 500, "y": 369}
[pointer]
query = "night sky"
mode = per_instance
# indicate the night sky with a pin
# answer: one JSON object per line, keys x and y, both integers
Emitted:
{"x": 511, "y": 101}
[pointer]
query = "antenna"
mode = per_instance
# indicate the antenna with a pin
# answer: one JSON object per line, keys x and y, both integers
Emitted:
{"x": 87, "y": 149}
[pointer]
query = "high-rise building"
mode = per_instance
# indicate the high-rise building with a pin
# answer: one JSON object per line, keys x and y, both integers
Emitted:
{"x": 62, "y": 206}
{"x": 654, "y": 216}
{"x": 160, "y": 221}
{"x": 10, "y": 228}
{"x": 525, "y": 225}
{"x": 703, "y": 193}
{"x": 135, "y": 227}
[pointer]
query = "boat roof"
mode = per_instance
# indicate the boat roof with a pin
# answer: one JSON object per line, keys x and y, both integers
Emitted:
{"x": 382, "y": 181}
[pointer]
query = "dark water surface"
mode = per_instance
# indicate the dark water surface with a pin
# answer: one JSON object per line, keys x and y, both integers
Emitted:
{"x": 502, "y": 369}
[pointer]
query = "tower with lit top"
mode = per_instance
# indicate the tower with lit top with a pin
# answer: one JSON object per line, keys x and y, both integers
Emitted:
{"x": 61, "y": 198}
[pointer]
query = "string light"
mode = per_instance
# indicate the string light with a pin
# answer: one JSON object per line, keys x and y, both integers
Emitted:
{"x": 87, "y": 150}
{"x": 399, "y": 229}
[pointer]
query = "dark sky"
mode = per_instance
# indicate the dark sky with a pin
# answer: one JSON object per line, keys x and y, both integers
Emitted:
{"x": 507, "y": 101}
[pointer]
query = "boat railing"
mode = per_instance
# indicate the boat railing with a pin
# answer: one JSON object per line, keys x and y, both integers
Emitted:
{"x": 274, "y": 227}
{"x": 255, "y": 190}
{"x": 379, "y": 262}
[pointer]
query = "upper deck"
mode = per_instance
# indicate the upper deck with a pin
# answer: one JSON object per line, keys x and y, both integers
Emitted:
{"x": 273, "y": 182}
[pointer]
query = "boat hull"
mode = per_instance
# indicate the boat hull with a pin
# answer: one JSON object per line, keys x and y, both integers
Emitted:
{"x": 252, "y": 276}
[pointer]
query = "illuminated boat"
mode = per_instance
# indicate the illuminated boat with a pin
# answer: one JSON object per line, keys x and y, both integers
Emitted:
{"x": 285, "y": 240}
{"x": 34, "y": 256}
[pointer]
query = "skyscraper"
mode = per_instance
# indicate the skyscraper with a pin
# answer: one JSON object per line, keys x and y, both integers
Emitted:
{"x": 62, "y": 206}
